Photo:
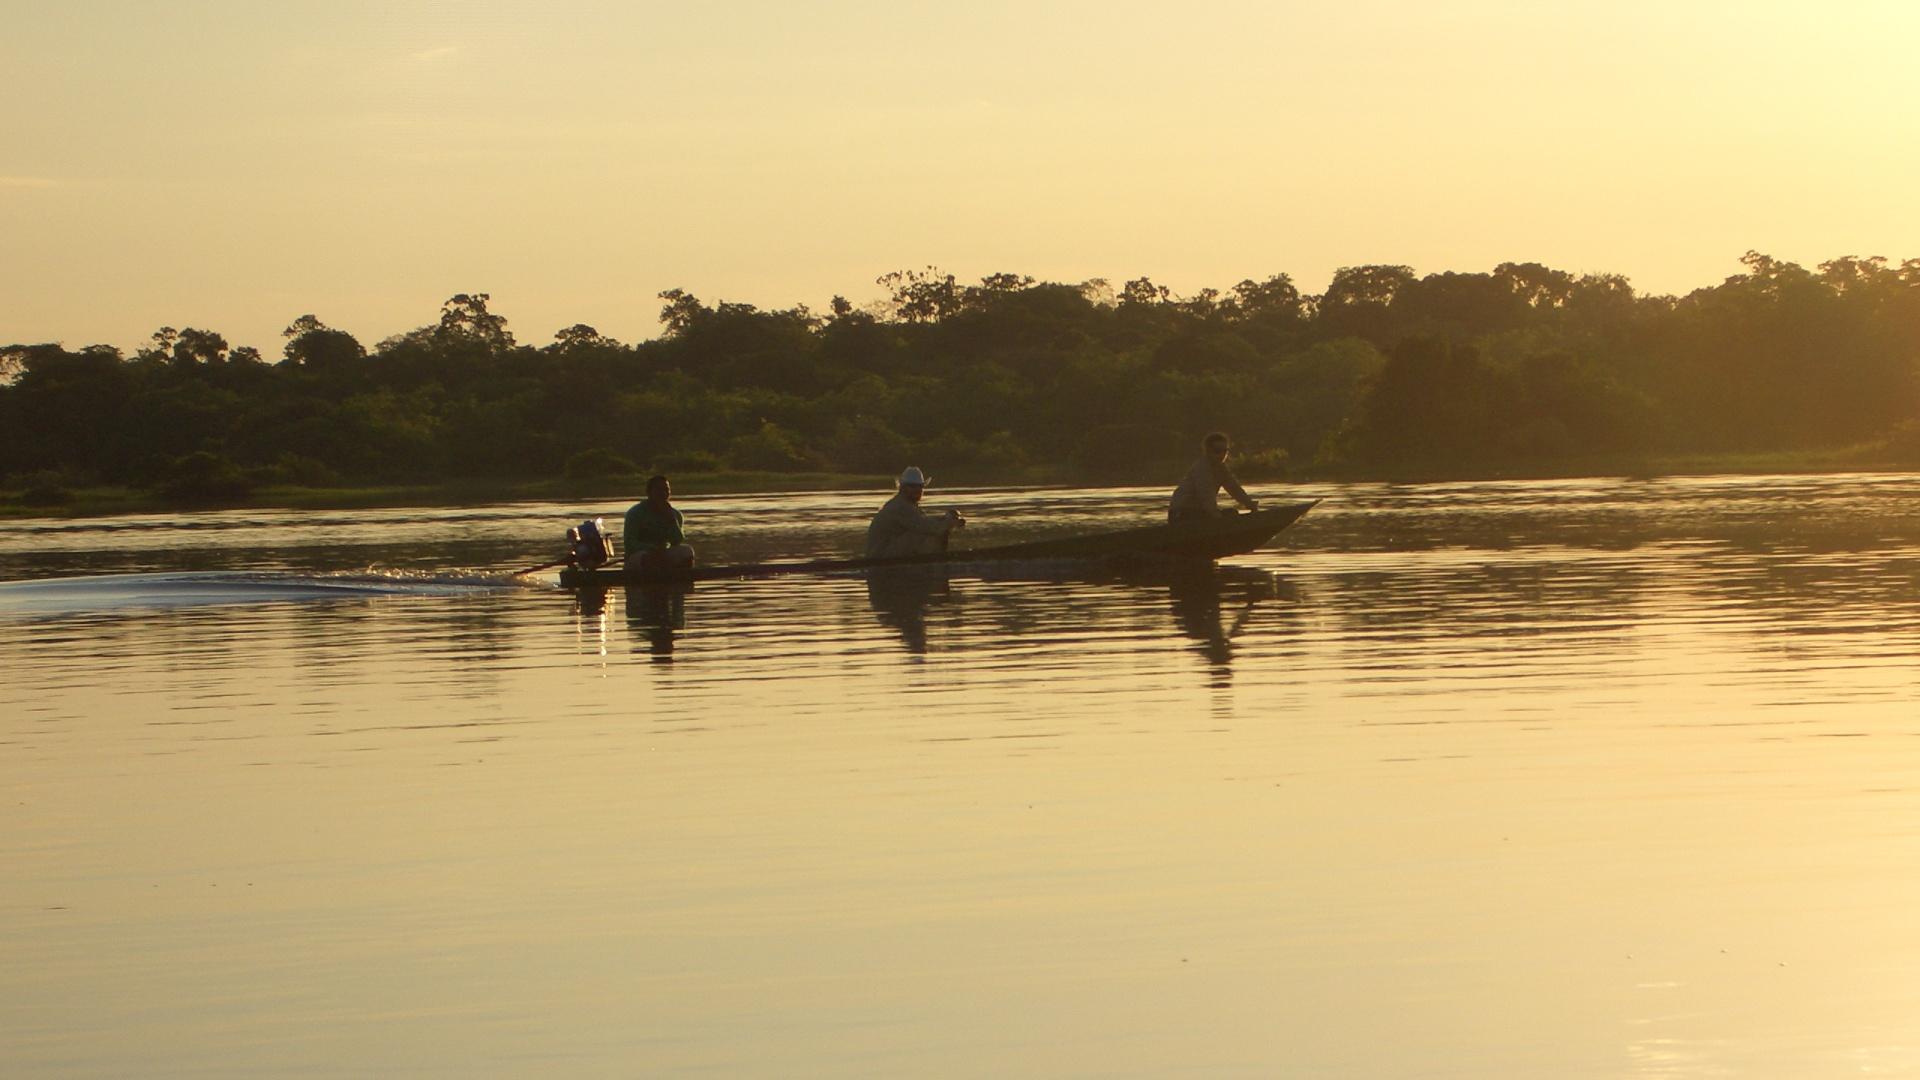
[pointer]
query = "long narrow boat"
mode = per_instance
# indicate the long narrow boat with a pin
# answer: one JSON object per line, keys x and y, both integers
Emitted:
{"x": 1201, "y": 540}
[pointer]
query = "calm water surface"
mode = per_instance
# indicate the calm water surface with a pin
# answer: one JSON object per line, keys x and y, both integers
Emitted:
{"x": 1596, "y": 778}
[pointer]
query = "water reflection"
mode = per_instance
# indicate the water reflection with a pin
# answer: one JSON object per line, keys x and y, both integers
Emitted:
{"x": 654, "y": 614}
{"x": 1094, "y": 602}
{"x": 1197, "y": 603}
{"x": 1662, "y": 733}
{"x": 900, "y": 598}
{"x": 1086, "y": 607}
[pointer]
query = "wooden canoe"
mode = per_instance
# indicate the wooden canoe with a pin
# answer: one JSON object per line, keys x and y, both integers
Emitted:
{"x": 1201, "y": 540}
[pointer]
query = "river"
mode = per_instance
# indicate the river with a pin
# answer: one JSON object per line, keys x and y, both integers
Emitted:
{"x": 1588, "y": 778}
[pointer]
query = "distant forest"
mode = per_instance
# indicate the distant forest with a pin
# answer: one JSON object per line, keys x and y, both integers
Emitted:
{"x": 1520, "y": 370}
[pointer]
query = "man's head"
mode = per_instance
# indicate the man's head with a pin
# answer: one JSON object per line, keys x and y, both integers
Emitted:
{"x": 1215, "y": 445}
{"x": 659, "y": 489}
{"x": 913, "y": 482}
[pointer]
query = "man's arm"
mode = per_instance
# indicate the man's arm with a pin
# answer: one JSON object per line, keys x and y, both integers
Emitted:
{"x": 1232, "y": 484}
{"x": 931, "y": 524}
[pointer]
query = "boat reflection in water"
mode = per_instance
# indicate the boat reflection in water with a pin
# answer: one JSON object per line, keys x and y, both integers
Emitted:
{"x": 900, "y": 597}
{"x": 1210, "y": 604}
{"x": 653, "y": 612}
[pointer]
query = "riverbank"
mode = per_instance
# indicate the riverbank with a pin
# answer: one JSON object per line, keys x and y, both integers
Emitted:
{"x": 1868, "y": 459}
{"x": 101, "y": 501}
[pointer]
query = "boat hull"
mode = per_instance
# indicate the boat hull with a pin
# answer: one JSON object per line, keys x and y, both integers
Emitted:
{"x": 1197, "y": 540}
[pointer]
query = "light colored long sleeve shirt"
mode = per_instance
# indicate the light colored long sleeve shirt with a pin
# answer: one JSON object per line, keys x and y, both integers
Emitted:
{"x": 902, "y": 528}
{"x": 1201, "y": 489}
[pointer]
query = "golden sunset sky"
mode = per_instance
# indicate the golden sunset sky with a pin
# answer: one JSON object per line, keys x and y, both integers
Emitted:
{"x": 233, "y": 165}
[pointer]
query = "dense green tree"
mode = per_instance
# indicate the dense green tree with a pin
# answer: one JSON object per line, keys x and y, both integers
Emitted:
{"x": 1535, "y": 285}
{"x": 1387, "y": 371}
{"x": 734, "y": 345}
{"x": 1434, "y": 405}
{"x": 864, "y": 442}
{"x": 464, "y": 317}
{"x": 1322, "y": 387}
{"x": 315, "y": 345}
{"x": 199, "y": 347}
{"x": 1461, "y": 307}
{"x": 1141, "y": 292}
{"x": 1767, "y": 359}
{"x": 1275, "y": 300}
{"x": 1359, "y": 300}
{"x": 582, "y": 336}
{"x": 69, "y": 411}
{"x": 1206, "y": 349}
{"x": 922, "y": 296}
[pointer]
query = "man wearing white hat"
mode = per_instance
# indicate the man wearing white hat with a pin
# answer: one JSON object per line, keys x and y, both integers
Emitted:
{"x": 902, "y": 528}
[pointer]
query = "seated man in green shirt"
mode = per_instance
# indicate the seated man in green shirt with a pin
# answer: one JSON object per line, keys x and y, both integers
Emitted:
{"x": 655, "y": 537}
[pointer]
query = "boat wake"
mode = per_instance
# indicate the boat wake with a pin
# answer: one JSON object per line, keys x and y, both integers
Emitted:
{"x": 112, "y": 592}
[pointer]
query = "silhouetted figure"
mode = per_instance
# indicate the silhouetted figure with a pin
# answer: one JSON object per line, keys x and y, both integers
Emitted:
{"x": 655, "y": 538}
{"x": 901, "y": 596}
{"x": 655, "y": 612}
{"x": 591, "y": 602}
{"x": 1196, "y": 608}
{"x": 1198, "y": 496}
{"x": 902, "y": 528}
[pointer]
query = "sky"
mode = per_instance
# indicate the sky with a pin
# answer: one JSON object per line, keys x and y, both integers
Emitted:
{"x": 234, "y": 165}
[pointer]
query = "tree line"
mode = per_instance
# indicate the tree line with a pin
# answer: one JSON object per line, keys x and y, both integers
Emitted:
{"x": 1386, "y": 373}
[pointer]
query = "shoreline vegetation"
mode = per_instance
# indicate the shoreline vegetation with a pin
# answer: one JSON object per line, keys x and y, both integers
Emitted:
{"x": 1523, "y": 371}
{"x": 610, "y": 495}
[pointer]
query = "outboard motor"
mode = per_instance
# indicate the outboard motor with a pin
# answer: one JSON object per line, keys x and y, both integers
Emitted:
{"x": 589, "y": 544}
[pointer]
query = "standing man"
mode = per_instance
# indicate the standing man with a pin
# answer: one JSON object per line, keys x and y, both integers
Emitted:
{"x": 655, "y": 537}
{"x": 902, "y": 528}
{"x": 1198, "y": 496}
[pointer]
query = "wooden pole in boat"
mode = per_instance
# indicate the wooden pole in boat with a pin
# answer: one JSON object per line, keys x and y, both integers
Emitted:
{"x": 613, "y": 562}
{"x": 542, "y": 566}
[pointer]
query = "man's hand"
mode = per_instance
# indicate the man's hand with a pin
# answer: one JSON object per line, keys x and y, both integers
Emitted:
{"x": 954, "y": 520}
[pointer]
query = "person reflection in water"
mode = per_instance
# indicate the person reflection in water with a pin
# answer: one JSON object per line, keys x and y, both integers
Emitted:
{"x": 655, "y": 537}
{"x": 654, "y": 612}
{"x": 902, "y": 528}
{"x": 901, "y": 596}
{"x": 1196, "y": 608}
{"x": 1198, "y": 496}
